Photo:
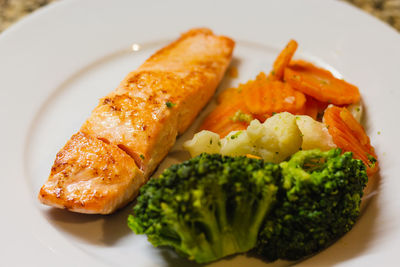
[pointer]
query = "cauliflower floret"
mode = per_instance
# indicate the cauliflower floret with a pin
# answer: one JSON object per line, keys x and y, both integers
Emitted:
{"x": 274, "y": 140}
{"x": 315, "y": 134}
{"x": 280, "y": 139}
{"x": 204, "y": 141}
{"x": 237, "y": 143}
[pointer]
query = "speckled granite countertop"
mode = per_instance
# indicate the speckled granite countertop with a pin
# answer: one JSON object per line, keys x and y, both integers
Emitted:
{"x": 12, "y": 10}
{"x": 386, "y": 10}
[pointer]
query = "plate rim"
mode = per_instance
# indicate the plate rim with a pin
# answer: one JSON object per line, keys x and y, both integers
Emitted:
{"x": 19, "y": 27}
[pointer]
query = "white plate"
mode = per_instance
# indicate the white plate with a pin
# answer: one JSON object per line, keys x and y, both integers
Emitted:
{"x": 56, "y": 64}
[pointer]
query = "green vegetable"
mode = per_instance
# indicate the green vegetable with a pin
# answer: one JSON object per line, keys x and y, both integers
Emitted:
{"x": 236, "y": 135}
{"x": 208, "y": 207}
{"x": 169, "y": 104}
{"x": 213, "y": 206}
{"x": 318, "y": 201}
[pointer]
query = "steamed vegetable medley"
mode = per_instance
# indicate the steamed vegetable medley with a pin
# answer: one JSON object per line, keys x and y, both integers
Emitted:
{"x": 275, "y": 140}
{"x": 278, "y": 170}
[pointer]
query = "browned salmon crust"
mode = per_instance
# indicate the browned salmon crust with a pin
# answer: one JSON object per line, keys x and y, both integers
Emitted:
{"x": 90, "y": 175}
{"x": 102, "y": 167}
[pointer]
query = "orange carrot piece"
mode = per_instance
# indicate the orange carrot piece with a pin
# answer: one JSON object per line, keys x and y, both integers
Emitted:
{"x": 221, "y": 121}
{"x": 356, "y": 127}
{"x": 310, "y": 108}
{"x": 282, "y": 61}
{"x": 263, "y": 96}
{"x": 231, "y": 95}
{"x": 313, "y": 108}
{"x": 320, "y": 84}
{"x": 251, "y": 156}
{"x": 262, "y": 117}
{"x": 349, "y": 135}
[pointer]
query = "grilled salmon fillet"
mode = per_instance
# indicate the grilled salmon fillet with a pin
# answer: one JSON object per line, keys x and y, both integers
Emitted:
{"x": 102, "y": 167}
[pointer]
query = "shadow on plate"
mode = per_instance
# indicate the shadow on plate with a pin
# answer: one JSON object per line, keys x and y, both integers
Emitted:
{"x": 94, "y": 229}
{"x": 172, "y": 259}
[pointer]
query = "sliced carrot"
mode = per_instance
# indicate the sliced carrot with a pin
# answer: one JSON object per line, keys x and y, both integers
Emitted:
{"x": 283, "y": 59}
{"x": 231, "y": 95}
{"x": 221, "y": 121}
{"x": 356, "y": 127}
{"x": 349, "y": 135}
{"x": 263, "y": 96}
{"x": 320, "y": 84}
{"x": 310, "y": 108}
{"x": 321, "y": 106}
{"x": 251, "y": 156}
{"x": 262, "y": 117}
{"x": 257, "y": 99}
{"x": 313, "y": 108}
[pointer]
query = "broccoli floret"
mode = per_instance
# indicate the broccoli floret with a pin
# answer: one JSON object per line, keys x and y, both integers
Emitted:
{"x": 208, "y": 207}
{"x": 318, "y": 201}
